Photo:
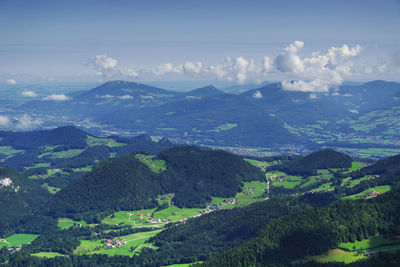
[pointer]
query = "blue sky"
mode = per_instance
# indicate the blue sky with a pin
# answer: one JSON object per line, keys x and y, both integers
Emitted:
{"x": 132, "y": 39}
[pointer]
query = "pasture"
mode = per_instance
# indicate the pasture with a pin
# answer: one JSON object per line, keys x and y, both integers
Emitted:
{"x": 155, "y": 165}
{"x": 46, "y": 254}
{"x": 17, "y": 240}
{"x": 52, "y": 190}
{"x": 134, "y": 244}
{"x": 94, "y": 141}
{"x": 381, "y": 189}
{"x": 370, "y": 243}
{"x": 65, "y": 223}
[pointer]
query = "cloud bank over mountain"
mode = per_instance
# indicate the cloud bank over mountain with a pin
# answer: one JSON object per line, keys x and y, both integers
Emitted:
{"x": 313, "y": 72}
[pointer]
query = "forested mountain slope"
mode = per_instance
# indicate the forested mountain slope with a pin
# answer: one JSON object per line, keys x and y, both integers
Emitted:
{"x": 124, "y": 183}
{"x": 315, "y": 231}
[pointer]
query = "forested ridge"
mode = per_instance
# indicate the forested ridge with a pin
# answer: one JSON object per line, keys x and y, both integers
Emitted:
{"x": 124, "y": 183}
{"x": 308, "y": 165}
{"x": 120, "y": 183}
{"x": 19, "y": 198}
{"x": 314, "y": 231}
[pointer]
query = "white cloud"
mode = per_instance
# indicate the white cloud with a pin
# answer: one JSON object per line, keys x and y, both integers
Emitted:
{"x": 192, "y": 68}
{"x": 125, "y": 97}
{"x": 105, "y": 96}
{"x": 11, "y": 81}
{"x": 4, "y": 121}
{"x": 56, "y": 97}
{"x": 27, "y": 123}
{"x": 319, "y": 72}
{"x": 104, "y": 64}
{"x": 288, "y": 60}
{"x": 129, "y": 72}
{"x": 268, "y": 64}
{"x": 353, "y": 111}
{"x": 257, "y": 94}
{"x": 237, "y": 69}
{"x": 147, "y": 97}
{"x": 347, "y": 95}
{"x": 166, "y": 68}
{"x": 336, "y": 94}
{"x": 313, "y": 96}
{"x": 29, "y": 93}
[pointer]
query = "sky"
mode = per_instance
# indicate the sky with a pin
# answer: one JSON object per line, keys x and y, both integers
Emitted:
{"x": 308, "y": 45}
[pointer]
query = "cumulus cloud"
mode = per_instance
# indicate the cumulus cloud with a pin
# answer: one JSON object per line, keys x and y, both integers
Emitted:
{"x": 129, "y": 72}
{"x": 317, "y": 73}
{"x": 104, "y": 64}
{"x": 27, "y": 123}
{"x": 4, "y": 121}
{"x": 268, "y": 64}
{"x": 288, "y": 60}
{"x": 257, "y": 94}
{"x": 236, "y": 69}
{"x": 166, "y": 68}
{"x": 192, "y": 68}
{"x": 29, "y": 93}
{"x": 56, "y": 97}
{"x": 11, "y": 81}
{"x": 125, "y": 97}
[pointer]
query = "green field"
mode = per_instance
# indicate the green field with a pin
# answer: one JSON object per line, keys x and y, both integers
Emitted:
{"x": 17, "y": 240}
{"x": 381, "y": 189}
{"x": 51, "y": 189}
{"x": 62, "y": 154}
{"x": 135, "y": 242}
{"x": 39, "y": 165}
{"x": 251, "y": 193}
{"x": 65, "y": 223}
{"x": 334, "y": 255}
{"x": 353, "y": 251}
{"x": 138, "y": 218}
{"x": 130, "y": 218}
{"x": 370, "y": 243}
{"x": 155, "y": 165}
{"x": 224, "y": 127}
{"x": 177, "y": 213}
{"x": 260, "y": 164}
{"x": 356, "y": 165}
{"x": 9, "y": 151}
{"x": 94, "y": 141}
{"x": 218, "y": 200}
{"x": 284, "y": 180}
{"x": 46, "y": 254}
{"x": 323, "y": 187}
{"x": 355, "y": 182}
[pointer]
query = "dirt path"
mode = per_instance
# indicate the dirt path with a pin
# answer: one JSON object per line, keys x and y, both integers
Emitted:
{"x": 266, "y": 177}
{"x": 129, "y": 219}
{"x": 5, "y": 241}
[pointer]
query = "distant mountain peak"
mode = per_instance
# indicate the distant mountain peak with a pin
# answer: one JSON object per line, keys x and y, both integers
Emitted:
{"x": 165, "y": 141}
{"x": 208, "y": 90}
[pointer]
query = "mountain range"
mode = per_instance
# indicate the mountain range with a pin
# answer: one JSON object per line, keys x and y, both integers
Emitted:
{"x": 264, "y": 117}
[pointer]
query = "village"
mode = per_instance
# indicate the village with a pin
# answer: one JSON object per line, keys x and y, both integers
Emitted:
{"x": 113, "y": 243}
